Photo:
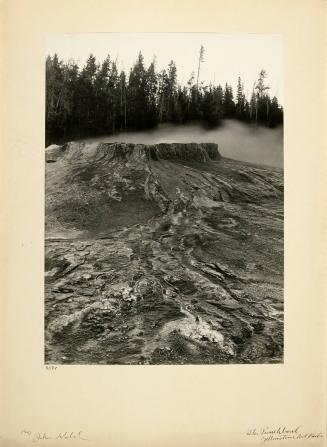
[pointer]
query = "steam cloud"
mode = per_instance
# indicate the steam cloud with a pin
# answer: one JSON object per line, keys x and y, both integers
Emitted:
{"x": 244, "y": 142}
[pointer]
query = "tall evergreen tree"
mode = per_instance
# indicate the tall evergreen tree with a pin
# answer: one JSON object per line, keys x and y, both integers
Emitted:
{"x": 151, "y": 87}
{"x": 261, "y": 97}
{"x": 86, "y": 95}
{"x": 123, "y": 100}
{"x": 240, "y": 100}
{"x": 211, "y": 106}
{"x": 101, "y": 81}
{"x": 136, "y": 118}
{"x": 229, "y": 105}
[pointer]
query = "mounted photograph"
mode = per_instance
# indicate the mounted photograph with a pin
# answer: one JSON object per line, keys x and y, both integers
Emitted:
{"x": 164, "y": 199}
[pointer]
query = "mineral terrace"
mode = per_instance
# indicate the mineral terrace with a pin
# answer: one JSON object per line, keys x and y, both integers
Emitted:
{"x": 163, "y": 254}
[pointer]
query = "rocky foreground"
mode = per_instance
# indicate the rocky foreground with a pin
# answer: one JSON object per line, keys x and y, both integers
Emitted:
{"x": 163, "y": 254}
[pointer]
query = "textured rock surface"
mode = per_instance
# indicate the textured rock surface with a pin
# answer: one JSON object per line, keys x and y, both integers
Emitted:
{"x": 162, "y": 254}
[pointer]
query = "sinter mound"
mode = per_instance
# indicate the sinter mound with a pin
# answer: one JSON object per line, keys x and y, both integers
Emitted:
{"x": 164, "y": 253}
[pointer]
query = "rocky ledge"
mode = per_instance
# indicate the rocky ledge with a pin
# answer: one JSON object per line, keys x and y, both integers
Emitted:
{"x": 162, "y": 254}
{"x": 134, "y": 152}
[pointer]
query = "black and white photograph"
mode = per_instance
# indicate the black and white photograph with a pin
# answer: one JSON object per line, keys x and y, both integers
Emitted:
{"x": 164, "y": 199}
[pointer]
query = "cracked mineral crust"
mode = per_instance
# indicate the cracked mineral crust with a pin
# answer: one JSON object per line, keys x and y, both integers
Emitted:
{"x": 161, "y": 254}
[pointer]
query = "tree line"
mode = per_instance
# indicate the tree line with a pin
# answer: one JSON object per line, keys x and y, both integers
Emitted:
{"x": 98, "y": 98}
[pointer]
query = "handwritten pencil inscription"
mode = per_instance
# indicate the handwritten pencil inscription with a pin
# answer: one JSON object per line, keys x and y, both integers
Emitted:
{"x": 268, "y": 434}
{"x": 44, "y": 436}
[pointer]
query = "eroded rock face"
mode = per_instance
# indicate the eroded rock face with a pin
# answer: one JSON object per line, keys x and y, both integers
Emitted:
{"x": 134, "y": 152}
{"x": 162, "y": 254}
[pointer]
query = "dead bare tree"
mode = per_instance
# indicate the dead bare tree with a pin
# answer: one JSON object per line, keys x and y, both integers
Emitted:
{"x": 199, "y": 64}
